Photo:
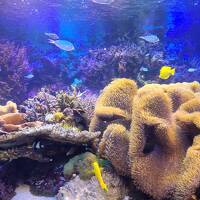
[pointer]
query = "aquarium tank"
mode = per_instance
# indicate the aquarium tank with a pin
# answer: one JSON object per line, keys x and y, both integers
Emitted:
{"x": 99, "y": 99}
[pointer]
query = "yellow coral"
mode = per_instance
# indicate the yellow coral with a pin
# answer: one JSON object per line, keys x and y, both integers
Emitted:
{"x": 58, "y": 116}
{"x": 10, "y": 107}
{"x": 156, "y": 149}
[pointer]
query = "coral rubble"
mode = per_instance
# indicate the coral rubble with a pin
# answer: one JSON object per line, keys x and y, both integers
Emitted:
{"x": 160, "y": 148}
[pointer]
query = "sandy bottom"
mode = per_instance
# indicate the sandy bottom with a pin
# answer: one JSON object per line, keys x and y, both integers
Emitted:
{"x": 23, "y": 193}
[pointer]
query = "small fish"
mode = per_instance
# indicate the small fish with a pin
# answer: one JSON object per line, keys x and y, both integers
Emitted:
{"x": 97, "y": 172}
{"x": 103, "y": 1}
{"x": 144, "y": 69}
{"x": 29, "y": 76}
{"x": 53, "y": 36}
{"x": 77, "y": 82}
{"x": 63, "y": 44}
{"x": 166, "y": 72}
{"x": 150, "y": 38}
{"x": 192, "y": 70}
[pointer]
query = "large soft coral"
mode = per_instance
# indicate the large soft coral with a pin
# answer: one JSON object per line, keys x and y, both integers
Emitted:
{"x": 115, "y": 103}
{"x": 160, "y": 149}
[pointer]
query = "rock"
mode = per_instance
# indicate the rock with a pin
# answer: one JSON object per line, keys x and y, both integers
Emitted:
{"x": 77, "y": 189}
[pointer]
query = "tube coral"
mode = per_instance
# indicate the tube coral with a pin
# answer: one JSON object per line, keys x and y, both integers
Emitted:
{"x": 160, "y": 149}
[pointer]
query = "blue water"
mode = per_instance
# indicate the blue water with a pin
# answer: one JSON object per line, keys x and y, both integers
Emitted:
{"x": 91, "y": 26}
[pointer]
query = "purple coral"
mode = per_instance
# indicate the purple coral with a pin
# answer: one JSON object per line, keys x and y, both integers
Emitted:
{"x": 123, "y": 60}
{"x": 38, "y": 106}
{"x": 13, "y": 68}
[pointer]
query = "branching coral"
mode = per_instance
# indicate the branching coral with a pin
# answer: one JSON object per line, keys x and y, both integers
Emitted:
{"x": 74, "y": 108}
{"x": 101, "y": 65}
{"x": 14, "y": 67}
{"x": 160, "y": 151}
{"x": 41, "y": 104}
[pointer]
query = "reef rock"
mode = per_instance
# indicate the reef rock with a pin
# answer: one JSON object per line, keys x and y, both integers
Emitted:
{"x": 22, "y": 143}
{"x": 77, "y": 189}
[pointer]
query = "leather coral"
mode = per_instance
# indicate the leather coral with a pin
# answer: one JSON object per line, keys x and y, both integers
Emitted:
{"x": 113, "y": 112}
{"x": 159, "y": 149}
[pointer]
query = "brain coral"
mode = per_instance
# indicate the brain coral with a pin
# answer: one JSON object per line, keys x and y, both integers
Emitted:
{"x": 160, "y": 149}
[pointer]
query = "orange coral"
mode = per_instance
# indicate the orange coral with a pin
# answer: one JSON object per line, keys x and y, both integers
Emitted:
{"x": 160, "y": 149}
{"x": 14, "y": 121}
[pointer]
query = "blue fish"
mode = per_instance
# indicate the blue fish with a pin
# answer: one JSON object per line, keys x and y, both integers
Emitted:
{"x": 53, "y": 36}
{"x": 192, "y": 70}
{"x": 144, "y": 69}
{"x": 150, "y": 38}
{"x": 103, "y": 1}
{"x": 29, "y": 76}
{"x": 63, "y": 44}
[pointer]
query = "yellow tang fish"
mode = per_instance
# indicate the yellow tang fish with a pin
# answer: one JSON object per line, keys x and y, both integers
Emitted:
{"x": 166, "y": 72}
{"x": 97, "y": 172}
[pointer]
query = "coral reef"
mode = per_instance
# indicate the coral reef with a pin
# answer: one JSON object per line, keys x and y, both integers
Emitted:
{"x": 160, "y": 148}
{"x": 76, "y": 108}
{"x": 7, "y": 191}
{"x": 38, "y": 106}
{"x": 7, "y": 180}
{"x": 14, "y": 67}
{"x": 125, "y": 59}
{"x": 45, "y": 179}
{"x": 51, "y": 70}
{"x": 69, "y": 104}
